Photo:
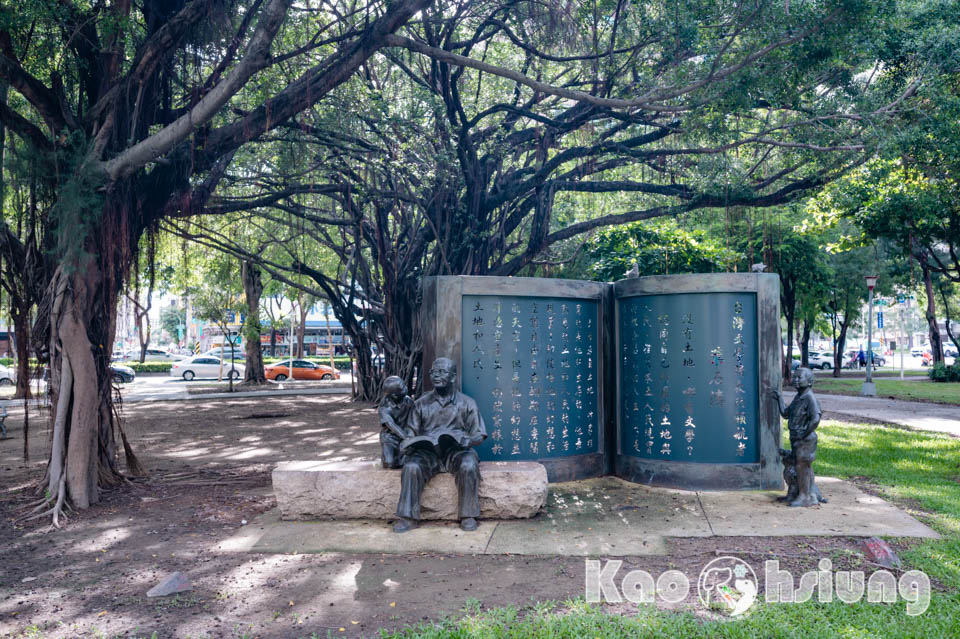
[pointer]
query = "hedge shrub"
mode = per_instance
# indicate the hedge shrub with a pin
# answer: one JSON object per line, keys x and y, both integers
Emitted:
{"x": 149, "y": 367}
{"x": 942, "y": 373}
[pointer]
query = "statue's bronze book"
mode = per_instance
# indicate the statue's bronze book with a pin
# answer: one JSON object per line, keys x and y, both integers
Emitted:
{"x": 434, "y": 440}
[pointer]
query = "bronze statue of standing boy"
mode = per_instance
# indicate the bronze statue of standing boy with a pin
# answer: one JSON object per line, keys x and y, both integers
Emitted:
{"x": 803, "y": 417}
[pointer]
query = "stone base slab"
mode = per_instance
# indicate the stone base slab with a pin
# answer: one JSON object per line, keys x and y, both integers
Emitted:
{"x": 308, "y": 490}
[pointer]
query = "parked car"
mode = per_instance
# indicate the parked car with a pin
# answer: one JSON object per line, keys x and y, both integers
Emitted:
{"x": 302, "y": 369}
{"x": 153, "y": 355}
{"x": 8, "y": 376}
{"x": 917, "y": 352}
{"x": 122, "y": 374}
{"x": 205, "y": 366}
{"x": 224, "y": 353}
{"x": 821, "y": 359}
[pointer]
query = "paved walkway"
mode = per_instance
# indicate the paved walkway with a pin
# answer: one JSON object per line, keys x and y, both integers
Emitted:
{"x": 941, "y": 418}
{"x": 603, "y": 516}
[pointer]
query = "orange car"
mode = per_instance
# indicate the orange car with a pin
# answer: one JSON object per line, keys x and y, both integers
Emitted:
{"x": 302, "y": 369}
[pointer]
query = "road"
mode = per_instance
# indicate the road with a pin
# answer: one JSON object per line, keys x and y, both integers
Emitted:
{"x": 161, "y": 387}
{"x": 911, "y": 365}
{"x": 158, "y": 387}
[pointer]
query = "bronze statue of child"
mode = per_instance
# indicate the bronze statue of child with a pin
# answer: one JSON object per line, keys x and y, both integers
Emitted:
{"x": 803, "y": 417}
{"x": 394, "y": 412}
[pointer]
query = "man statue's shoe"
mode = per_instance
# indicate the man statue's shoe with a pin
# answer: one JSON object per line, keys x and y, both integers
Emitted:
{"x": 403, "y": 525}
{"x": 468, "y": 524}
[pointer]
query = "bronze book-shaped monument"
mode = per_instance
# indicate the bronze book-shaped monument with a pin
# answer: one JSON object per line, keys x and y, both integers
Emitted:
{"x": 660, "y": 380}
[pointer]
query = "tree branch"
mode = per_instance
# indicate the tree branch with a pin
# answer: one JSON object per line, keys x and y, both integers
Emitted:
{"x": 256, "y": 58}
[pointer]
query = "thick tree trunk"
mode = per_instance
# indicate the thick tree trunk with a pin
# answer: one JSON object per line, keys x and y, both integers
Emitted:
{"x": 144, "y": 336}
{"x": 83, "y": 456}
{"x": 252, "y": 290}
{"x": 947, "y": 321}
{"x": 788, "y": 359}
{"x": 841, "y": 343}
{"x": 936, "y": 344}
{"x": 21, "y": 327}
{"x": 788, "y": 302}
{"x": 78, "y": 319}
{"x": 273, "y": 341}
{"x": 142, "y": 314}
{"x": 805, "y": 344}
{"x": 301, "y": 330}
{"x": 368, "y": 381}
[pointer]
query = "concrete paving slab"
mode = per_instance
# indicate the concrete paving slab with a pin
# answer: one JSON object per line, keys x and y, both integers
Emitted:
{"x": 604, "y": 516}
{"x": 372, "y": 537}
{"x": 607, "y": 539}
{"x": 850, "y": 512}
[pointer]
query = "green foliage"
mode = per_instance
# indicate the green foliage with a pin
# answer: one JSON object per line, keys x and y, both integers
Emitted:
{"x": 150, "y": 367}
{"x": 171, "y": 319}
{"x": 940, "y": 372}
{"x": 656, "y": 248}
{"x": 220, "y": 294}
{"x": 78, "y": 211}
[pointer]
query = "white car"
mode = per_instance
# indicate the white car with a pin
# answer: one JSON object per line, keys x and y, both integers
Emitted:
{"x": 205, "y": 366}
{"x": 8, "y": 376}
{"x": 821, "y": 359}
{"x": 153, "y": 355}
{"x": 238, "y": 355}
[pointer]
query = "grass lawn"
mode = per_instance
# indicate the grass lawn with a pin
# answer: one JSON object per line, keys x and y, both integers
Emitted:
{"x": 918, "y": 390}
{"x": 878, "y": 372}
{"x": 910, "y": 467}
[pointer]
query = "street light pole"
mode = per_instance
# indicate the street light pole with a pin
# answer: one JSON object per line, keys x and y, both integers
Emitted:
{"x": 902, "y": 340}
{"x": 869, "y": 388}
{"x": 293, "y": 308}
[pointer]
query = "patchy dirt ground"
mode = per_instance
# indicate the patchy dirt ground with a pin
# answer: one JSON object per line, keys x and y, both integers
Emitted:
{"x": 210, "y": 465}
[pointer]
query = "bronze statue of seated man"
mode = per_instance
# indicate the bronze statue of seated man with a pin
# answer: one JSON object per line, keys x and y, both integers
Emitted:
{"x": 445, "y": 425}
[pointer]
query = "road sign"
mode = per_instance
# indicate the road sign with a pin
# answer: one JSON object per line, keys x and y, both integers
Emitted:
{"x": 880, "y": 319}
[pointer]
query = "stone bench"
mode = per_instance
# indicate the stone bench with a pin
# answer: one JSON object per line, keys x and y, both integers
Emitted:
{"x": 363, "y": 490}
